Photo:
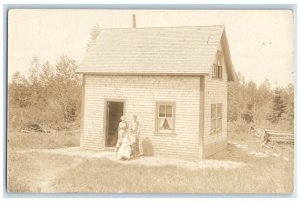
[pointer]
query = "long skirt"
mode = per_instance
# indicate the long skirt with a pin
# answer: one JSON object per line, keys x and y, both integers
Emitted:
{"x": 124, "y": 151}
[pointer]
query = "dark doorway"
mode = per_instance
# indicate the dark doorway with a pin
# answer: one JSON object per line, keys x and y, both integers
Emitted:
{"x": 114, "y": 111}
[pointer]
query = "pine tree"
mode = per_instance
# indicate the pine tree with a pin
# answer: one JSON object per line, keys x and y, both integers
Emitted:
{"x": 278, "y": 106}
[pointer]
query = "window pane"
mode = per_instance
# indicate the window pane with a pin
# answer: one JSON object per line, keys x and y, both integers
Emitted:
{"x": 162, "y": 110}
{"x": 219, "y": 111}
{"x": 169, "y": 111}
{"x": 213, "y": 111}
{"x": 219, "y": 124}
{"x": 215, "y": 70}
{"x": 220, "y": 72}
{"x": 213, "y": 125}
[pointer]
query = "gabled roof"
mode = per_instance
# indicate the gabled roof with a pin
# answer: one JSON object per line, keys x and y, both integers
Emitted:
{"x": 156, "y": 51}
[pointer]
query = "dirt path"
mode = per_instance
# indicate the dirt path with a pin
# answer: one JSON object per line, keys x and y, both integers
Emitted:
{"x": 258, "y": 151}
{"x": 153, "y": 161}
{"x": 47, "y": 178}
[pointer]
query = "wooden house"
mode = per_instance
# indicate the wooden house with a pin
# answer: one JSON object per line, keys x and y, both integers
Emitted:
{"x": 173, "y": 78}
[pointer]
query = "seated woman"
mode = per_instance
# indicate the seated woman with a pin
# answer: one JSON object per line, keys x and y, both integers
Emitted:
{"x": 124, "y": 150}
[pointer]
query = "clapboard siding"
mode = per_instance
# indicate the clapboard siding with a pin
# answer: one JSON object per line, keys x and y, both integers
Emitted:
{"x": 141, "y": 93}
{"x": 215, "y": 92}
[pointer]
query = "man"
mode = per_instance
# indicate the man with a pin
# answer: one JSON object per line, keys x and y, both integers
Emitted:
{"x": 134, "y": 135}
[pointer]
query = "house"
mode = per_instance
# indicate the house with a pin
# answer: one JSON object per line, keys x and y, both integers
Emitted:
{"x": 173, "y": 78}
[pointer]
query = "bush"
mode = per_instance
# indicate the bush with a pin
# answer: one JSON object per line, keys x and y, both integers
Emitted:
{"x": 20, "y": 118}
{"x": 238, "y": 127}
{"x": 281, "y": 125}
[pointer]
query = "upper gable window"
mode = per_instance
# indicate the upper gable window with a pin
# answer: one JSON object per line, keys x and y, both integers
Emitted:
{"x": 218, "y": 67}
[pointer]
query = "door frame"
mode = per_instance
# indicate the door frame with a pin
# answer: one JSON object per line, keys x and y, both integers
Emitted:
{"x": 106, "y": 100}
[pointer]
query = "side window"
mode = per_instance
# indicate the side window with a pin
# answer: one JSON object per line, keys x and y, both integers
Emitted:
{"x": 165, "y": 118}
{"x": 219, "y": 118}
{"x": 213, "y": 119}
{"x": 216, "y": 118}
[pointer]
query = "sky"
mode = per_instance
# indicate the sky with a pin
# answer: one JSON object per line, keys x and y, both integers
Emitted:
{"x": 261, "y": 41}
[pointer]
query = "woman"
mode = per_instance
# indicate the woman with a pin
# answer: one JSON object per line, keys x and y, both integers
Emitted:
{"x": 124, "y": 150}
{"x": 122, "y": 130}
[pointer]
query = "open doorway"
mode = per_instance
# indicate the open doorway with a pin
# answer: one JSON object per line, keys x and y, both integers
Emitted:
{"x": 114, "y": 111}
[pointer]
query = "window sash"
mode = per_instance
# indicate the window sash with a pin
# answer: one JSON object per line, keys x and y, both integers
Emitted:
{"x": 165, "y": 117}
{"x": 219, "y": 110}
{"x": 215, "y": 71}
{"x": 216, "y": 118}
{"x": 217, "y": 67}
{"x": 169, "y": 111}
{"x": 219, "y": 125}
{"x": 161, "y": 110}
{"x": 213, "y": 125}
{"x": 220, "y": 72}
{"x": 213, "y": 111}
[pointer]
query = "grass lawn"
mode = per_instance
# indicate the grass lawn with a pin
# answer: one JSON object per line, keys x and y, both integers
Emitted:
{"x": 40, "y": 172}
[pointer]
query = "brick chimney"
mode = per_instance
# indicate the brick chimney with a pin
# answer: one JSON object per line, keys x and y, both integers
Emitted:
{"x": 133, "y": 21}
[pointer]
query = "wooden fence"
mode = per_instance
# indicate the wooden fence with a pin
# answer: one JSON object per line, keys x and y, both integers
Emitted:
{"x": 274, "y": 136}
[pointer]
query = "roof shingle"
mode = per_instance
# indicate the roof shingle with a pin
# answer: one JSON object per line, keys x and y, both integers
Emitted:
{"x": 167, "y": 50}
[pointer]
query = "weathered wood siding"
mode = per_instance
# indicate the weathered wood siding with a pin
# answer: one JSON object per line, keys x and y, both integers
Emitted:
{"x": 141, "y": 94}
{"x": 215, "y": 92}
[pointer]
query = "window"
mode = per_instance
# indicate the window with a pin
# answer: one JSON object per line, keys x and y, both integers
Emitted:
{"x": 165, "y": 117}
{"x": 217, "y": 68}
{"x": 213, "y": 119}
{"x": 216, "y": 118}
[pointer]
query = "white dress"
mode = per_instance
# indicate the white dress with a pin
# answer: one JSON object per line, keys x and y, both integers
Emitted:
{"x": 125, "y": 149}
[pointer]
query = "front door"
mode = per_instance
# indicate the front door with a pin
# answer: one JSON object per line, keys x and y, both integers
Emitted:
{"x": 114, "y": 111}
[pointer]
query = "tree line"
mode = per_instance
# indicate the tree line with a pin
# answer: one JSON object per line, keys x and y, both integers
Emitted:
{"x": 49, "y": 95}
{"x": 254, "y": 103}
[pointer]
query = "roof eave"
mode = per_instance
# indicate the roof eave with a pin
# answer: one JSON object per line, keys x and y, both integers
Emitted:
{"x": 227, "y": 56}
{"x": 143, "y": 73}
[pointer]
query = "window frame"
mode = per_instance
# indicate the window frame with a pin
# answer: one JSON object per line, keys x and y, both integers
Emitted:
{"x": 157, "y": 117}
{"x": 219, "y": 116}
{"x": 217, "y": 119}
{"x": 217, "y": 69}
{"x": 213, "y": 118}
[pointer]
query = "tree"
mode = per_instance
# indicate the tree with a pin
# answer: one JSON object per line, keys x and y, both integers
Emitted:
{"x": 278, "y": 106}
{"x": 287, "y": 95}
{"x": 49, "y": 95}
{"x": 234, "y": 100}
{"x": 264, "y": 101}
{"x": 18, "y": 91}
{"x": 67, "y": 90}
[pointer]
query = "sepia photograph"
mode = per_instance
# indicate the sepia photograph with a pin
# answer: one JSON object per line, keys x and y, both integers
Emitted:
{"x": 150, "y": 101}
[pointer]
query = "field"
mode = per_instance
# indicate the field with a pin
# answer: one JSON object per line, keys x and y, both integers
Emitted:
{"x": 29, "y": 170}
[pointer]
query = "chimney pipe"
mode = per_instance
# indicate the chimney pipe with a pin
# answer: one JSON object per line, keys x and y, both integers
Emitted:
{"x": 133, "y": 21}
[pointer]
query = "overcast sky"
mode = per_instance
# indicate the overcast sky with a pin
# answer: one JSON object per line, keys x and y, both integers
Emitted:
{"x": 261, "y": 42}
